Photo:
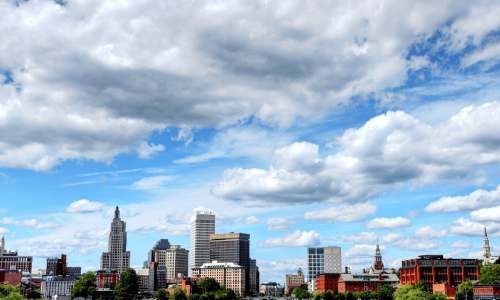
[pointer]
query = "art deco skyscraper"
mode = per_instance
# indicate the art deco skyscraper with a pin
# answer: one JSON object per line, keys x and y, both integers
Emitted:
{"x": 202, "y": 226}
{"x": 117, "y": 258}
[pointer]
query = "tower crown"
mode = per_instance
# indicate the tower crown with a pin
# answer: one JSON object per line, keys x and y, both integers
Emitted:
{"x": 117, "y": 213}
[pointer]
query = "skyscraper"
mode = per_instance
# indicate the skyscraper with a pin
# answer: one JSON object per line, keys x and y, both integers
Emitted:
{"x": 117, "y": 258}
{"x": 202, "y": 226}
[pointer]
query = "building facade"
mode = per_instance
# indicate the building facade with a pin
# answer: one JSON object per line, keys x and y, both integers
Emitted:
{"x": 487, "y": 292}
{"x": 435, "y": 269}
{"x": 106, "y": 276}
{"x": 56, "y": 266}
{"x": 143, "y": 279}
{"x": 323, "y": 260}
{"x": 10, "y": 260}
{"x": 117, "y": 258}
{"x": 293, "y": 281}
{"x": 449, "y": 291}
{"x": 327, "y": 282}
{"x": 175, "y": 259}
{"x": 270, "y": 288}
{"x": 52, "y": 285}
{"x": 230, "y": 274}
{"x": 202, "y": 226}
{"x": 488, "y": 259}
{"x": 364, "y": 282}
{"x": 254, "y": 276}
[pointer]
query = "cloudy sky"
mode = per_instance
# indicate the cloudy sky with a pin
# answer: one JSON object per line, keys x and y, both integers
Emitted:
{"x": 302, "y": 123}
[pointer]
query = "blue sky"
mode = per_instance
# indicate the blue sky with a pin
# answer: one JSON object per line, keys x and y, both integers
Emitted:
{"x": 302, "y": 124}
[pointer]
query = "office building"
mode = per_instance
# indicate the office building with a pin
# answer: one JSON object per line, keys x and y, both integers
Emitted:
{"x": 10, "y": 260}
{"x": 254, "y": 276}
{"x": 293, "y": 281}
{"x": 56, "y": 266}
{"x": 174, "y": 259}
{"x": 74, "y": 272}
{"x": 202, "y": 226}
{"x": 117, "y": 258}
{"x": 488, "y": 260}
{"x": 157, "y": 277}
{"x": 365, "y": 282}
{"x": 230, "y": 274}
{"x": 323, "y": 260}
{"x": 143, "y": 280}
{"x": 487, "y": 291}
{"x": 56, "y": 285}
{"x": 436, "y": 269}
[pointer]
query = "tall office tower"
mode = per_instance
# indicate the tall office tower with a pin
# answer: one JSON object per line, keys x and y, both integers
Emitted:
{"x": 117, "y": 258}
{"x": 232, "y": 248}
{"x": 175, "y": 259}
{"x": 323, "y": 260}
{"x": 254, "y": 276}
{"x": 202, "y": 226}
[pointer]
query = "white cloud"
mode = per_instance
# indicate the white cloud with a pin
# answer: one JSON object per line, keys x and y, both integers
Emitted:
{"x": 13, "y": 235}
{"x": 344, "y": 213}
{"x": 476, "y": 255}
{"x": 386, "y": 223}
{"x": 248, "y": 220}
{"x": 44, "y": 248}
{"x": 363, "y": 251}
{"x": 461, "y": 244}
{"x": 413, "y": 213}
{"x": 466, "y": 227}
{"x": 33, "y": 223}
{"x": 92, "y": 234}
{"x": 270, "y": 270}
{"x": 279, "y": 224}
{"x": 3, "y": 231}
{"x": 296, "y": 239}
{"x": 84, "y": 206}
{"x": 390, "y": 150}
{"x": 429, "y": 234}
{"x": 416, "y": 244}
{"x": 475, "y": 200}
{"x": 486, "y": 214}
{"x": 149, "y": 183}
{"x": 372, "y": 238}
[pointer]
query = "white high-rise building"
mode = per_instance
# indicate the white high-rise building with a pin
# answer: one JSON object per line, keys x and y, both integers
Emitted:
{"x": 117, "y": 258}
{"x": 322, "y": 260}
{"x": 202, "y": 226}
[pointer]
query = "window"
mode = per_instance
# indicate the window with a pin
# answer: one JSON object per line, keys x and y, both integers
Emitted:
{"x": 312, "y": 251}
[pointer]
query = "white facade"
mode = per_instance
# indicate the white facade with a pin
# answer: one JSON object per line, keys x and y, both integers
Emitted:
{"x": 175, "y": 259}
{"x": 202, "y": 226}
{"x": 488, "y": 259}
{"x": 117, "y": 258}
{"x": 323, "y": 260}
{"x": 56, "y": 286}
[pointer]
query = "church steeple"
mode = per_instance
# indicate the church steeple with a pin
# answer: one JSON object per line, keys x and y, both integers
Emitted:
{"x": 378, "y": 265}
{"x": 486, "y": 246}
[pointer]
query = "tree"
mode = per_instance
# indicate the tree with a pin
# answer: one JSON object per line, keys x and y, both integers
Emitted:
{"x": 465, "y": 290}
{"x": 410, "y": 292}
{"x": 349, "y": 296}
{"x": 490, "y": 274}
{"x": 329, "y": 295}
{"x": 109, "y": 285}
{"x": 84, "y": 286}
{"x": 385, "y": 292}
{"x": 193, "y": 297}
{"x": 128, "y": 286}
{"x": 208, "y": 296}
{"x": 34, "y": 295}
{"x": 317, "y": 295}
{"x": 7, "y": 290}
{"x": 161, "y": 294}
{"x": 178, "y": 294}
{"x": 209, "y": 285}
{"x": 438, "y": 296}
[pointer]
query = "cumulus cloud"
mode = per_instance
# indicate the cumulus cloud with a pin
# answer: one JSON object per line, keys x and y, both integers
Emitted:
{"x": 3, "y": 231}
{"x": 92, "y": 234}
{"x": 44, "y": 248}
{"x": 389, "y": 151}
{"x": 413, "y": 213}
{"x": 428, "y": 233}
{"x": 150, "y": 183}
{"x": 372, "y": 238}
{"x": 106, "y": 93}
{"x": 344, "y": 213}
{"x": 296, "y": 239}
{"x": 388, "y": 223}
{"x": 33, "y": 223}
{"x": 248, "y": 220}
{"x": 84, "y": 206}
{"x": 416, "y": 244}
{"x": 486, "y": 214}
{"x": 363, "y": 251}
{"x": 461, "y": 244}
{"x": 278, "y": 269}
{"x": 475, "y": 200}
{"x": 466, "y": 227}
{"x": 279, "y": 224}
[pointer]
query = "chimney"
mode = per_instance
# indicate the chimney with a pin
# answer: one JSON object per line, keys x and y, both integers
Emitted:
{"x": 346, "y": 270}
{"x": 380, "y": 276}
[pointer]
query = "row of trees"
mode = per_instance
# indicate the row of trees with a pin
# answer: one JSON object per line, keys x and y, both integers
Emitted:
{"x": 127, "y": 288}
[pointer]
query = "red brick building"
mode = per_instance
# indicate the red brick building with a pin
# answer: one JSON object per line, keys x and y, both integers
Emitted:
{"x": 12, "y": 278}
{"x": 327, "y": 282}
{"x": 364, "y": 282}
{"x": 187, "y": 284}
{"x": 487, "y": 292}
{"x": 449, "y": 291}
{"x": 106, "y": 276}
{"x": 435, "y": 269}
{"x": 56, "y": 266}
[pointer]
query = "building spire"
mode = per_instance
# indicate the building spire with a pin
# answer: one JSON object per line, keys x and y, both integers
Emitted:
{"x": 485, "y": 234}
{"x": 117, "y": 213}
{"x": 378, "y": 264}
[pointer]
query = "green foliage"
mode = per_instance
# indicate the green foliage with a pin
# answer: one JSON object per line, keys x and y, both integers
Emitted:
{"x": 128, "y": 286}
{"x": 110, "y": 285}
{"x": 101, "y": 298}
{"x": 467, "y": 288}
{"x": 301, "y": 292}
{"x": 349, "y": 296}
{"x": 339, "y": 296}
{"x": 194, "y": 297}
{"x": 317, "y": 295}
{"x": 385, "y": 292}
{"x": 34, "y": 295}
{"x": 208, "y": 296}
{"x": 410, "y": 292}
{"x": 178, "y": 294}
{"x": 161, "y": 294}
{"x": 84, "y": 286}
{"x": 438, "y": 296}
{"x": 210, "y": 285}
{"x": 329, "y": 295}
{"x": 421, "y": 286}
{"x": 490, "y": 274}
{"x": 6, "y": 289}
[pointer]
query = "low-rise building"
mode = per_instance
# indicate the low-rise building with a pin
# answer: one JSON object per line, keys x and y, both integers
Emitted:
{"x": 12, "y": 277}
{"x": 187, "y": 284}
{"x": 364, "y": 282}
{"x": 106, "y": 276}
{"x": 229, "y": 274}
{"x": 293, "y": 281}
{"x": 487, "y": 292}
{"x": 52, "y": 285}
{"x": 327, "y": 282}
{"x": 270, "y": 288}
{"x": 449, "y": 291}
{"x": 10, "y": 260}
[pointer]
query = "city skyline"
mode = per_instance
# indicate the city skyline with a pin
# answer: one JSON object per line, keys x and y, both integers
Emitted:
{"x": 302, "y": 124}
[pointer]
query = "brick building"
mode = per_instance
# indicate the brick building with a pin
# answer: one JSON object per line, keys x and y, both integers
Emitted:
{"x": 449, "y": 291}
{"x": 487, "y": 292}
{"x": 435, "y": 269}
{"x": 106, "y": 276}
{"x": 187, "y": 284}
{"x": 230, "y": 274}
{"x": 327, "y": 282}
{"x": 56, "y": 266}
{"x": 293, "y": 281}
{"x": 13, "y": 278}
{"x": 9, "y": 260}
{"x": 364, "y": 282}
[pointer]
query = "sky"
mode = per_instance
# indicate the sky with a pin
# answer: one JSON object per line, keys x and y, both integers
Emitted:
{"x": 301, "y": 123}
